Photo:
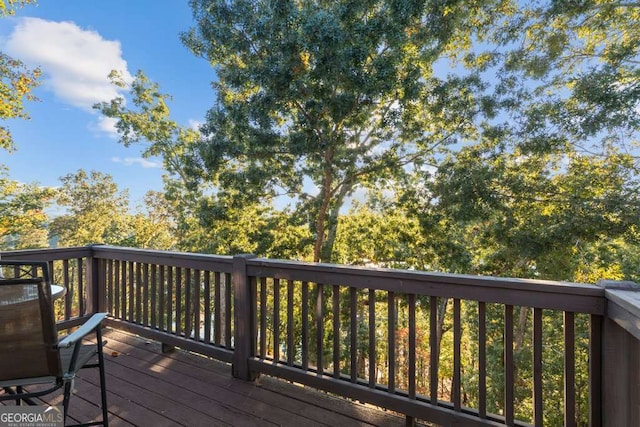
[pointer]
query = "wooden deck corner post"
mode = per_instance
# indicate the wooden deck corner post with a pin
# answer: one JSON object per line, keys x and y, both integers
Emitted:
{"x": 243, "y": 319}
{"x": 620, "y": 355}
{"x": 95, "y": 295}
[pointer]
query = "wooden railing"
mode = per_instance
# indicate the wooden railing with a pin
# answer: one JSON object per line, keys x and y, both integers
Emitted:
{"x": 443, "y": 348}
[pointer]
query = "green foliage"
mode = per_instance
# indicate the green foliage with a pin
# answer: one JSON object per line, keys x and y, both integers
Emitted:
{"x": 538, "y": 216}
{"x": 23, "y": 217}
{"x": 95, "y": 210}
{"x": 340, "y": 94}
{"x": 8, "y": 7}
{"x": 154, "y": 227}
{"x": 393, "y": 239}
{"x": 577, "y": 65}
{"x": 16, "y": 82}
{"x": 149, "y": 123}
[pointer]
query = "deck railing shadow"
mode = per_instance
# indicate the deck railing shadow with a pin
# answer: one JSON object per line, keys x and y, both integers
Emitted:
{"x": 448, "y": 349}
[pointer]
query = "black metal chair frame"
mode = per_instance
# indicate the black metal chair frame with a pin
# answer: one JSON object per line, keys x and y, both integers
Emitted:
{"x": 66, "y": 356}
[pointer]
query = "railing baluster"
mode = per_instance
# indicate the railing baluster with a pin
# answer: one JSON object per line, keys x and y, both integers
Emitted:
{"x": 170, "y": 327}
{"x": 391, "y": 340}
{"x": 68, "y": 307}
{"x": 81, "y": 293}
{"x": 196, "y": 305}
{"x": 595, "y": 370}
{"x": 52, "y": 271}
{"x": 161, "y": 300}
{"x": 569, "y": 370}
{"x": 178, "y": 319}
{"x": 123, "y": 289}
{"x": 117, "y": 282}
{"x": 412, "y": 346}
{"x": 228, "y": 310}
{"x": 305, "y": 326}
{"x": 353, "y": 323}
{"x": 263, "y": 317}
{"x": 154, "y": 296}
{"x": 131, "y": 300}
{"x": 188, "y": 315}
{"x": 482, "y": 359}
{"x": 372, "y": 338}
{"x": 508, "y": 365}
{"x": 145, "y": 294}
{"x": 290, "y": 336}
{"x": 319, "y": 330}
{"x": 336, "y": 331}
{"x": 207, "y": 306}
{"x": 537, "y": 366}
{"x": 109, "y": 272}
{"x": 276, "y": 320}
{"x": 217, "y": 310}
{"x": 457, "y": 338}
{"x": 433, "y": 345}
{"x": 139, "y": 286}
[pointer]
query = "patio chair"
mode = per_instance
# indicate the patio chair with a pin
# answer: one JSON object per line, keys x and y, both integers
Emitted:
{"x": 33, "y": 361}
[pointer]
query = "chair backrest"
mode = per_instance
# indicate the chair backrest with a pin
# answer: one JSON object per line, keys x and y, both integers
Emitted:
{"x": 28, "y": 336}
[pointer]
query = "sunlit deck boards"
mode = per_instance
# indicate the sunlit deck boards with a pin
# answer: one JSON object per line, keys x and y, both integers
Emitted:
{"x": 149, "y": 388}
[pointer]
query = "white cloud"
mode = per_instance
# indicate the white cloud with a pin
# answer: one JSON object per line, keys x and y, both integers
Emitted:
{"x": 130, "y": 161}
{"x": 75, "y": 62}
{"x": 106, "y": 125}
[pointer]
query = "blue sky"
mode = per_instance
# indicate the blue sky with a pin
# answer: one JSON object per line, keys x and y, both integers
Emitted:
{"x": 76, "y": 43}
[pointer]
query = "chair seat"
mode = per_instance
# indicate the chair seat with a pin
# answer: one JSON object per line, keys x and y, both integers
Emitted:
{"x": 85, "y": 354}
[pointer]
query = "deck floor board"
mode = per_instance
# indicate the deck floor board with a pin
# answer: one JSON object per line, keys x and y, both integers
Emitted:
{"x": 149, "y": 388}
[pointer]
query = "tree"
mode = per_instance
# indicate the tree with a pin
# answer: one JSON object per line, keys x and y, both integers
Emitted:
{"x": 541, "y": 216}
{"x": 96, "y": 210}
{"x": 8, "y": 7}
{"x": 153, "y": 227}
{"x": 393, "y": 238}
{"x": 333, "y": 95}
{"x": 23, "y": 216}
{"x": 570, "y": 70}
{"x": 16, "y": 82}
{"x": 549, "y": 187}
{"x": 149, "y": 123}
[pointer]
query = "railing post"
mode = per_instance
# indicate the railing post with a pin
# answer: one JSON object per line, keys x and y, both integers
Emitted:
{"x": 95, "y": 295}
{"x": 620, "y": 392}
{"x": 243, "y": 330}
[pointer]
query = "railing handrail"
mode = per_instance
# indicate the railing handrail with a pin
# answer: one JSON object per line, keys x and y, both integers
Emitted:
{"x": 48, "y": 254}
{"x": 564, "y": 296}
{"x": 222, "y": 263}
{"x": 575, "y": 297}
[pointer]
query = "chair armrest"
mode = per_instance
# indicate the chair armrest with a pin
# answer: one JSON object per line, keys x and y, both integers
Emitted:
{"x": 86, "y": 328}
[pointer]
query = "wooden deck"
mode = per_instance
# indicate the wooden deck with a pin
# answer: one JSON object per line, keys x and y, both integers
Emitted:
{"x": 149, "y": 388}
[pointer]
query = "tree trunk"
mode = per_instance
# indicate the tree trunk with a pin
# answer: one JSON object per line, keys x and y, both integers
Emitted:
{"x": 442, "y": 311}
{"x": 325, "y": 194}
{"x": 332, "y": 224}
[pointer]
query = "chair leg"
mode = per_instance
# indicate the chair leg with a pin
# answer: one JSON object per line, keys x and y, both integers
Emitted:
{"x": 103, "y": 387}
{"x": 65, "y": 401}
